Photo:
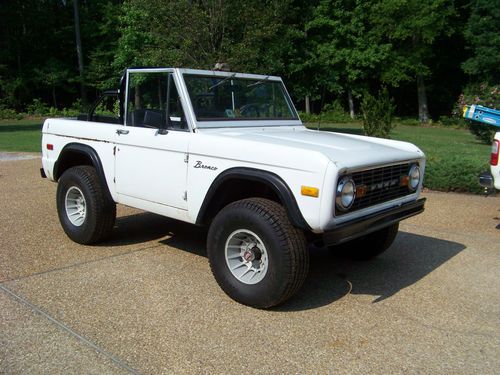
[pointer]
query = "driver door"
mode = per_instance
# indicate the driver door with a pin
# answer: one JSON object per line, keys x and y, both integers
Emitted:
{"x": 151, "y": 148}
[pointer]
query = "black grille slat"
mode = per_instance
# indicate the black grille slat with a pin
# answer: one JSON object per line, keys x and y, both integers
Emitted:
{"x": 378, "y": 195}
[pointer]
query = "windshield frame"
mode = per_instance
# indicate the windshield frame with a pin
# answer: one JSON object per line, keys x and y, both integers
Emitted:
{"x": 238, "y": 122}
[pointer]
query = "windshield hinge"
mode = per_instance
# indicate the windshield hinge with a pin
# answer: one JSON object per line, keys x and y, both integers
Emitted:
{"x": 186, "y": 158}
{"x": 185, "y": 195}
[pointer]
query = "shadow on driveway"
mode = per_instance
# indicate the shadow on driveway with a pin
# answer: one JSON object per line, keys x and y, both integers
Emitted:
{"x": 331, "y": 276}
{"x": 409, "y": 259}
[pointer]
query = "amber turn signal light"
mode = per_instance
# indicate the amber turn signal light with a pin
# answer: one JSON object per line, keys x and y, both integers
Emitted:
{"x": 309, "y": 191}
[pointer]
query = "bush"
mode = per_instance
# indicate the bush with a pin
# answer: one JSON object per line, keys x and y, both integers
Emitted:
{"x": 7, "y": 113}
{"x": 483, "y": 132}
{"x": 377, "y": 114}
{"x": 407, "y": 121}
{"x": 454, "y": 173}
{"x": 481, "y": 94}
{"x": 332, "y": 113}
{"x": 37, "y": 108}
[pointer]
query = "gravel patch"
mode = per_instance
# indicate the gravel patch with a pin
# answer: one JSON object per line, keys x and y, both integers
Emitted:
{"x": 9, "y": 156}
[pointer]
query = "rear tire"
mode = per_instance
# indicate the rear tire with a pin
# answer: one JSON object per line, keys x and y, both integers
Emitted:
{"x": 257, "y": 257}
{"x": 371, "y": 245}
{"x": 85, "y": 211}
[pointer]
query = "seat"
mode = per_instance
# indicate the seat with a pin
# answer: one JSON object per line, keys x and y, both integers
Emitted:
{"x": 154, "y": 119}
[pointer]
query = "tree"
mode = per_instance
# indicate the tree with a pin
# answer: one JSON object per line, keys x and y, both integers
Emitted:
{"x": 199, "y": 34}
{"x": 102, "y": 32}
{"x": 79, "y": 49}
{"x": 483, "y": 36}
{"x": 345, "y": 52}
{"x": 411, "y": 27}
{"x": 52, "y": 75}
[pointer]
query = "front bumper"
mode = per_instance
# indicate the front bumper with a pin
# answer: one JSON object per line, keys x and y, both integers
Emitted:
{"x": 356, "y": 228}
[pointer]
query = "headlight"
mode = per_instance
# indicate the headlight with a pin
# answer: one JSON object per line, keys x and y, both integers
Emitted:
{"x": 414, "y": 177}
{"x": 346, "y": 192}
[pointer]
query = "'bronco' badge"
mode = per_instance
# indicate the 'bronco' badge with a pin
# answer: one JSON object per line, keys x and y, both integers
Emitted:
{"x": 199, "y": 164}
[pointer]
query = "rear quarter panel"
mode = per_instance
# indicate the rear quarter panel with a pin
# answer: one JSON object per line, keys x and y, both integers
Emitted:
{"x": 61, "y": 132}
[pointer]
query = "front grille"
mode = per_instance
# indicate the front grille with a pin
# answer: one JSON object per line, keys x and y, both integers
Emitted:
{"x": 382, "y": 185}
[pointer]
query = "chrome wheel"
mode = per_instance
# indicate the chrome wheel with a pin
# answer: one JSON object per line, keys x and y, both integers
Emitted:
{"x": 76, "y": 208}
{"x": 246, "y": 256}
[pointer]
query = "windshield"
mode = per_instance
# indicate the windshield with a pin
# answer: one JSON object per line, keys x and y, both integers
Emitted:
{"x": 230, "y": 98}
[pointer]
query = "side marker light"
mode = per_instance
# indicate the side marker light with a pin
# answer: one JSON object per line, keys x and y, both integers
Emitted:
{"x": 309, "y": 191}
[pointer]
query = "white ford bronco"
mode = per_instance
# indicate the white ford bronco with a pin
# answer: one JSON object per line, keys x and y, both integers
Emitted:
{"x": 228, "y": 150}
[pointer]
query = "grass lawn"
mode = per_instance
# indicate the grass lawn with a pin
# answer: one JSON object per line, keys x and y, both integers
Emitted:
{"x": 20, "y": 135}
{"x": 454, "y": 157}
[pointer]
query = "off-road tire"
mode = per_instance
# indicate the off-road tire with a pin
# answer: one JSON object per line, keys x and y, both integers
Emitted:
{"x": 288, "y": 257}
{"x": 100, "y": 209}
{"x": 371, "y": 245}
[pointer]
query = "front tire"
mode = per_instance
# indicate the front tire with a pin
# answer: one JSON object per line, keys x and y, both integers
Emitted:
{"x": 86, "y": 213}
{"x": 257, "y": 257}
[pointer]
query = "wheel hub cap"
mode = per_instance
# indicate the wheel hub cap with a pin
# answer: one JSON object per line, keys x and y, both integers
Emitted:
{"x": 246, "y": 256}
{"x": 76, "y": 207}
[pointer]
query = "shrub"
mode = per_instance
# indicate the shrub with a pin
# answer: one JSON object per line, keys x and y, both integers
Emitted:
{"x": 377, "y": 114}
{"x": 7, "y": 113}
{"x": 331, "y": 113}
{"x": 37, "y": 108}
{"x": 454, "y": 173}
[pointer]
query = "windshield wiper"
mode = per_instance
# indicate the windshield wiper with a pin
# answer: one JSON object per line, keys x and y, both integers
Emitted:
{"x": 221, "y": 82}
{"x": 259, "y": 82}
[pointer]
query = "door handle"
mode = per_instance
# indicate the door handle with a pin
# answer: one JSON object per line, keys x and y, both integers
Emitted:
{"x": 122, "y": 132}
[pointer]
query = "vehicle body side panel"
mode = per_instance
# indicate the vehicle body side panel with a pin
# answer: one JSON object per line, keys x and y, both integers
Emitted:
{"x": 217, "y": 152}
{"x": 98, "y": 136}
{"x": 151, "y": 166}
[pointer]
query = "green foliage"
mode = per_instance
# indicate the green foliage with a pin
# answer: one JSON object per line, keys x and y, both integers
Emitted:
{"x": 454, "y": 174}
{"x": 332, "y": 113}
{"x": 377, "y": 114}
{"x": 411, "y": 27}
{"x": 37, "y": 108}
{"x": 343, "y": 51}
{"x": 483, "y": 36}
{"x": 8, "y": 113}
{"x": 324, "y": 49}
{"x": 483, "y": 132}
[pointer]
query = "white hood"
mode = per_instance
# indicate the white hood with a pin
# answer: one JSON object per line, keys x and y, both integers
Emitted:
{"x": 345, "y": 150}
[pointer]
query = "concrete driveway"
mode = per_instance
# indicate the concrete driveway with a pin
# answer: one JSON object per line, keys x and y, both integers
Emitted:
{"x": 146, "y": 302}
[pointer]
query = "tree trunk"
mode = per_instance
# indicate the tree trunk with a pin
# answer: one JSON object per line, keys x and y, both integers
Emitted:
{"x": 351, "y": 104}
{"x": 54, "y": 96}
{"x": 137, "y": 98}
{"x": 308, "y": 105}
{"x": 79, "y": 50}
{"x": 423, "y": 110}
{"x": 160, "y": 98}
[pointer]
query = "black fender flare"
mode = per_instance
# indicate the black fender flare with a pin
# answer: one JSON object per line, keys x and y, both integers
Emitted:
{"x": 275, "y": 182}
{"x": 88, "y": 152}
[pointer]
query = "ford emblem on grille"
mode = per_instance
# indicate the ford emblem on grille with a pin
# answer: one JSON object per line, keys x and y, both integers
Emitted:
{"x": 384, "y": 184}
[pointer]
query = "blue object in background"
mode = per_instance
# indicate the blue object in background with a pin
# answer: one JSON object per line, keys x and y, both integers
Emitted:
{"x": 482, "y": 114}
